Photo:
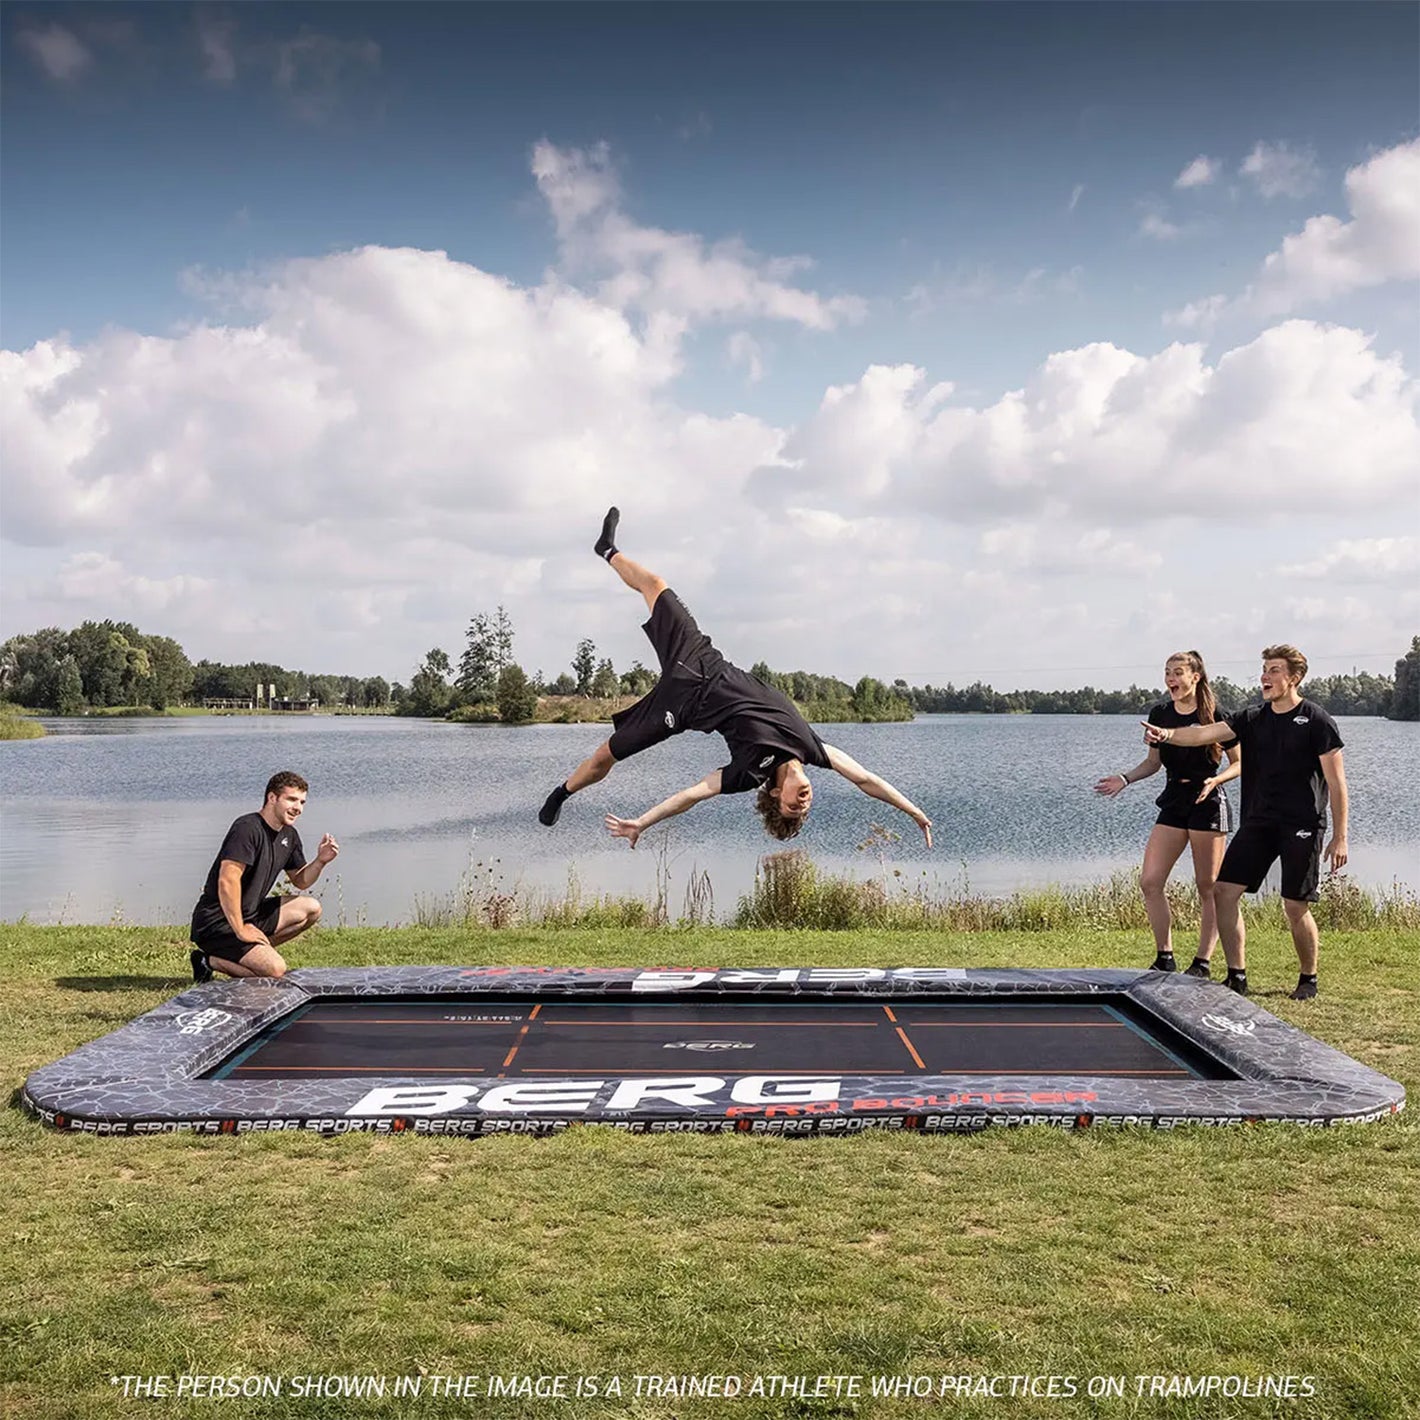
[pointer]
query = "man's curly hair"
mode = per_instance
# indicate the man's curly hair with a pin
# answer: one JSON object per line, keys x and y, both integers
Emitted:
{"x": 776, "y": 824}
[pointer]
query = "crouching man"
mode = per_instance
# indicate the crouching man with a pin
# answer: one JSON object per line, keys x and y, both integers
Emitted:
{"x": 236, "y": 926}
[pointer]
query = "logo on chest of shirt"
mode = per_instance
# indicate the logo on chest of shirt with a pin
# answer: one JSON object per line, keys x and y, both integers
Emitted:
{"x": 766, "y": 761}
{"x": 670, "y": 720}
{"x": 285, "y": 841}
{"x": 1300, "y": 720}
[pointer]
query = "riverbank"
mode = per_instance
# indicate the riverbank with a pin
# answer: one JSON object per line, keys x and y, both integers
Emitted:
{"x": 1026, "y": 1252}
{"x": 19, "y": 724}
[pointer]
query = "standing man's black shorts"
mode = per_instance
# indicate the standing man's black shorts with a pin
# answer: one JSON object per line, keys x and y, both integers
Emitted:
{"x": 687, "y": 660}
{"x": 1257, "y": 846}
{"x": 1178, "y": 809}
{"x": 224, "y": 943}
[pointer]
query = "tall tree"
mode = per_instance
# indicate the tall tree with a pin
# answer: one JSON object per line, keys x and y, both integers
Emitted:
{"x": 584, "y": 665}
{"x": 1405, "y": 702}
{"x": 429, "y": 691}
{"x": 517, "y": 700}
{"x": 478, "y": 666}
{"x": 606, "y": 684}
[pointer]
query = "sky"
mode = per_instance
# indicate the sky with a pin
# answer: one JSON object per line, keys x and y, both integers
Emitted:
{"x": 1012, "y": 342}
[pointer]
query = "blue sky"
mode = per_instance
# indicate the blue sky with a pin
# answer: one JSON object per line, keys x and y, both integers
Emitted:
{"x": 777, "y": 202}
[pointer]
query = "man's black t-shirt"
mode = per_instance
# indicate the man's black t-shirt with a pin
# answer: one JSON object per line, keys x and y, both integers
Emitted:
{"x": 1190, "y": 764}
{"x": 761, "y": 726}
{"x": 265, "y": 853}
{"x": 1282, "y": 777}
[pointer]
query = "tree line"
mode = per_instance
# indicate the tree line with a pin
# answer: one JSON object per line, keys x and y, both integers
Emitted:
{"x": 104, "y": 664}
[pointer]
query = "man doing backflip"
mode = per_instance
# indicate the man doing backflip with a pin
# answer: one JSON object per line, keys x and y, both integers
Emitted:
{"x": 770, "y": 743}
{"x": 1291, "y": 768}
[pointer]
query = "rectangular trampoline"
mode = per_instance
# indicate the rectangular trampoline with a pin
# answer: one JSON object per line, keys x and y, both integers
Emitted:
{"x": 487, "y": 1050}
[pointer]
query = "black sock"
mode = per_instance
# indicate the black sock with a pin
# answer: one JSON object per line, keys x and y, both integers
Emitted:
{"x": 547, "y": 814}
{"x": 606, "y": 547}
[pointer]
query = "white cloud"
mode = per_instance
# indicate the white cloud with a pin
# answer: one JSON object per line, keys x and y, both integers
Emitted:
{"x": 1076, "y": 193}
{"x": 58, "y": 51}
{"x": 1199, "y": 173}
{"x": 1055, "y": 550}
{"x": 1280, "y": 171}
{"x": 1198, "y": 315}
{"x": 1157, "y": 226}
{"x": 1284, "y": 422}
{"x": 216, "y": 38}
{"x": 1330, "y": 258}
{"x": 969, "y": 285}
{"x": 1372, "y": 559}
{"x": 675, "y": 276}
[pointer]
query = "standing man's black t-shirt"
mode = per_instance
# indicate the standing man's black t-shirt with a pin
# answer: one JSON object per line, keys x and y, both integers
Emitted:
{"x": 265, "y": 852}
{"x": 761, "y": 726}
{"x": 1282, "y": 778}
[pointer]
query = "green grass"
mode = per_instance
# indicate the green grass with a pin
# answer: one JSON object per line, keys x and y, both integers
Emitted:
{"x": 19, "y": 727}
{"x": 1261, "y": 1252}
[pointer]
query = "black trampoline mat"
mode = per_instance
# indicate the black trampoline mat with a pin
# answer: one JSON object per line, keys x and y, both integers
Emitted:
{"x": 443, "y": 1039}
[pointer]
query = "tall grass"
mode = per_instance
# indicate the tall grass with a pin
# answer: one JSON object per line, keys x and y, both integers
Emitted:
{"x": 791, "y": 891}
{"x": 16, "y": 724}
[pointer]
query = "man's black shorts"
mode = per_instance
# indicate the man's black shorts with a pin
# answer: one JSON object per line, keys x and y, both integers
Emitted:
{"x": 687, "y": 658}
{"x": 224, "y": 943}
{"x": 1256, "y": 846}
{"x": 1177, "y": 808}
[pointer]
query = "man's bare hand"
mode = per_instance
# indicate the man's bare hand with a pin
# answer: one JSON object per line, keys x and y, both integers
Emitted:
{"x": 925, "y": 824}
{"x": 1335, "y": 853}
{"x": 626, "y": 828}
{"x": 328, "y": 851}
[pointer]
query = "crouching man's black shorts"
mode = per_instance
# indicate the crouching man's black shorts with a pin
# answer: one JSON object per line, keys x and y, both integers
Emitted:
{"x": 1256, "y": 846}
{"x": 688, "y": 660}
{"x": 223, "y": 943}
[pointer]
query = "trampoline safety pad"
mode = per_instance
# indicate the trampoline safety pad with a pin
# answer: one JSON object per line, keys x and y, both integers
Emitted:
{"x": 783, "y": 1050}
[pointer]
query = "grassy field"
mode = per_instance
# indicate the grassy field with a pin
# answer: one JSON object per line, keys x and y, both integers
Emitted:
{"x": 1254, "y": 1254}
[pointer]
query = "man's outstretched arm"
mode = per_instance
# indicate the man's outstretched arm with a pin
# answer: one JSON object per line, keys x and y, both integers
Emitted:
{"x": 633, "y": 828}
{"x": 1188, "y": 736}
{"x": 877, "y": 788}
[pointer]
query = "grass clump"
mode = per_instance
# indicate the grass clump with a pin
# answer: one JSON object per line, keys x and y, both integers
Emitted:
{"x": 16, "y": 724}
{"x": 790, "y": 890}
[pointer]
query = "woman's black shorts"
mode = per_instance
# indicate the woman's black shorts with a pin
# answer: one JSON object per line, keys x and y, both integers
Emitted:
{"x": 687, "y": 660}
{"x": 1177, "y": 808}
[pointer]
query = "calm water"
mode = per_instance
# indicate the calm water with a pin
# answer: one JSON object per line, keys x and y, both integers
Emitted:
{"x": 118, "y": 820}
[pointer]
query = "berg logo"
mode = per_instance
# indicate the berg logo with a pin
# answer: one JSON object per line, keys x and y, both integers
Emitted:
{"x": 670, "y": 720}
{"x": 195, "y": 1022}
{"x": 1229, "y": 1026}
{"x": 708, "y": 1045}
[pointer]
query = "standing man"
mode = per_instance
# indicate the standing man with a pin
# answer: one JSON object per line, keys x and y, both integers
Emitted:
{"x": 770, "y": 743}
{"x": 236, "y": 927}
{"x": 1291, "y": 768}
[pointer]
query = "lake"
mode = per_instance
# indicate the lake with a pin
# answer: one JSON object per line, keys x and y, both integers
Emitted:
{"x": 117, "y": 820}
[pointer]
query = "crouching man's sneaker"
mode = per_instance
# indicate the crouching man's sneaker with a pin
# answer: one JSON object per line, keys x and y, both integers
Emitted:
{"x": 200, "y": 969}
